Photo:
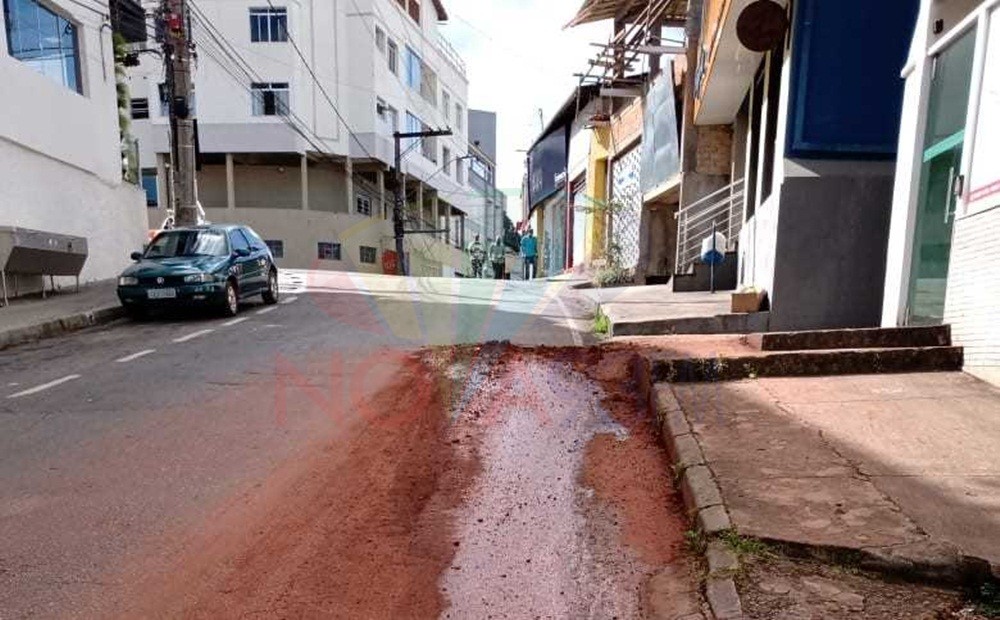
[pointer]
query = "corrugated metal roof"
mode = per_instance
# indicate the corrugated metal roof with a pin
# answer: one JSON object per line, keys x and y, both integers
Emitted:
{"x": 599, "y": 10}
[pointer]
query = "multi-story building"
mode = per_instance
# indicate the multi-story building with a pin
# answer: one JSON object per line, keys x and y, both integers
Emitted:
{"x": 60, "y": 138}
{"x": 296, "y": 104}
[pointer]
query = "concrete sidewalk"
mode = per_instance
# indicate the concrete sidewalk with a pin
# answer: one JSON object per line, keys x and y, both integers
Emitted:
{"x": 32, "y": 318}
{"x": 900, "y": 471}
{"x": 657, "y": 309}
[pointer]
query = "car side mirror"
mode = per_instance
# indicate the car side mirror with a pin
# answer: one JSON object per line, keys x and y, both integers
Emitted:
{"x": 136, "y": 255}
{"x": 241, "y": 252}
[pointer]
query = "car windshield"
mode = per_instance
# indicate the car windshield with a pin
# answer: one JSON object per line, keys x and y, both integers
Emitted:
{"x": 170, "y": 244}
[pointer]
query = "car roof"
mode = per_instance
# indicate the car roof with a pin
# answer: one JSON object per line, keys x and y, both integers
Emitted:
{"x": 212, "y": 227}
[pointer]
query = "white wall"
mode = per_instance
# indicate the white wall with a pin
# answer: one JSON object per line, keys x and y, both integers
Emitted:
{"x": 52, "y": 196}
{"x": 80, "y": 130}
{"x": 60, "y": 152}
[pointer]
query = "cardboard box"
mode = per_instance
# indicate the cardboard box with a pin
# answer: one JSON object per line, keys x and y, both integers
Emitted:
{"x": 747, "y": 302}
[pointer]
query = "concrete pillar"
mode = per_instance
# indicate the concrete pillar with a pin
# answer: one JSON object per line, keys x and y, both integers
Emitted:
{"x": 230, "y": 182}
{"x": 349, "y": 183}
{"x": 304, "y": 166}
{"x": 380, "y": 181}
{"x": 447, "y": 225}
{"x": 420, "y": 201}
{"x": 435, "y": 214}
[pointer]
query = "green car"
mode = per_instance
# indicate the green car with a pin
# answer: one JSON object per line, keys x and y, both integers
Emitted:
{"x": 216, "y": 266}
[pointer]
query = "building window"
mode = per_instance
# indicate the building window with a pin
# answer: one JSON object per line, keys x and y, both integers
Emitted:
{"x": 388, "y": 117}
{"x": 445, "y": 102}
{"x": 269, "y": 25}
{"x": 428, "y": 85}
{"x": 43, "y": 40}
{"x": 460, "y": 172}
{"x": 368, "y": 255}
{"x": 277, "y": 247}
{"x": 415, "y": 10}
{"x": 140, "y": 107}
{"x": 413, "y": 124}
{"x": 363, "y": 205}
{"x": 326, "y": 250}
{"x": 392, "y": 56}
{"x": 446, "y": 161}
{"x": 413, "y": 69}
{"x": 270, "y": 98}
{"x": 380, "y": 39}
{"x": 459, "y": 117}
{"x": 150, "y": 187}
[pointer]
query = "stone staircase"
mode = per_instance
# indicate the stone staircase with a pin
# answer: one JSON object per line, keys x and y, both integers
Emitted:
{"x": 803, "y": 354}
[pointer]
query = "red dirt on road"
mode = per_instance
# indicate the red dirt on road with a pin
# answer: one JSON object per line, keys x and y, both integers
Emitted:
{"x": 481, "y": 481}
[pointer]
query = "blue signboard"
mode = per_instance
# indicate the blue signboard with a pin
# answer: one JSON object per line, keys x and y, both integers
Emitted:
{"x": 847, "y": 93}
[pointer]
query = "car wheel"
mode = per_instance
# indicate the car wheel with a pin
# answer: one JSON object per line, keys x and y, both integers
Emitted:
{"x": 231, "y": 303}
{"x": 270, "y": 294}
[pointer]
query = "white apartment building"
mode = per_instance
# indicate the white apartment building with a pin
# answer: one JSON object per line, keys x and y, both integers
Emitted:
{"x": 296, "y": 102}
{"x": 60, "y": 142}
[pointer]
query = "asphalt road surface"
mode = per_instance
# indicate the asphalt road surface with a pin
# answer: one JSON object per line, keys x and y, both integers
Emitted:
{"x": 324, "y": 458}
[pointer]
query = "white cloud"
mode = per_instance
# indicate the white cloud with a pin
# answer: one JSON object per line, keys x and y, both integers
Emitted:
{"x": 520, "y": 59}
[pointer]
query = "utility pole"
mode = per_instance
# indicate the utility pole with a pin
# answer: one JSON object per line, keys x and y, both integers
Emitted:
{"x": 180, "y": 86}
{"x": 400, "y": 203}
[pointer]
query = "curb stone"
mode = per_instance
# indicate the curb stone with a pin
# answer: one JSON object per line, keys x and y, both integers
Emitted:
{"x": 57, "y": 327}
{"x": 703, "y": 499}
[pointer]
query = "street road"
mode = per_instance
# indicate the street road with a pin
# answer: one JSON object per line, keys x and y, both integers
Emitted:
{"x": 316, "y": 459}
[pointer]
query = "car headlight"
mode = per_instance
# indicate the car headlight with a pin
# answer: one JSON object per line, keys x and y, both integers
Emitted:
{"x": 199, "y": 277}
{"x": 128, "y": 281}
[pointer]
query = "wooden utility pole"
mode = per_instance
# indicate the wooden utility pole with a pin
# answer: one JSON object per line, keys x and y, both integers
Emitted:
{"x": 400, "y": 203}
{"x": 180, "y": 87}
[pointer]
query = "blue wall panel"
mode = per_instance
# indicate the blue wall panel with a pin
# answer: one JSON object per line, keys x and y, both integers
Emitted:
{"x": 847, "y": 92}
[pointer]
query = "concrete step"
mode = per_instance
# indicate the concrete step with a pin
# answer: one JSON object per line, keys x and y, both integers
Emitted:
{"x": 718, "y": 324}
{"x": 873, "y": 338}
{"x": 670, "y": 367}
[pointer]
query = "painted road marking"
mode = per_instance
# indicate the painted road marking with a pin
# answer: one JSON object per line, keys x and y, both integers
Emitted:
{"x": 265, "y": 310}
{"x": 193, "y": 335}
{"x": 135, "y": 356}
{"x": 44, "y": 386}
{"x": 290, "y": 300}
{"x": 232, "y": 322}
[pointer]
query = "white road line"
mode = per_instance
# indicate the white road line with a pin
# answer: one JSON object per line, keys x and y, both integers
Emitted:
{"x": 44, "y": 386}
{"x": 265, "y": 310}
{"x": 289, "y": 300}
{"x": 193, "y": 335}
{"x": 135, "y": 356}
{"x": 232, "y": 322}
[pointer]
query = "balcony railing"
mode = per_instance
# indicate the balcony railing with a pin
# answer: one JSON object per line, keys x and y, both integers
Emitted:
{"x": 451, "y": 55}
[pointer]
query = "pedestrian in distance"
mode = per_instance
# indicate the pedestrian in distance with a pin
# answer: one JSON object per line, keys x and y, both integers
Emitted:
{"x": 529, "y": 254}
{"x": 497, "y": 253}
{"x": 478, "y": 254}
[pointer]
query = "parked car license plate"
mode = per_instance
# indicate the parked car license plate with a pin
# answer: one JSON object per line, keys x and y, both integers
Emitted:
{"x": 161, "y": 293}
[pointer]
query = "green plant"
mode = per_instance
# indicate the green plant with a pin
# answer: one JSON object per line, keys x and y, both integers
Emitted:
{"x": 602, "y": 324}
{"x": 695, "y": 541}
{"x": 743, "y": 546}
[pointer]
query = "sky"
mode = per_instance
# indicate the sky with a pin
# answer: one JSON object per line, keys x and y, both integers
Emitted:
{"x": 520, "y": 59}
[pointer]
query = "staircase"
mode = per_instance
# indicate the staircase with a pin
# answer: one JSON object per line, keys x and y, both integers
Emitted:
{"x": 722, "y": 210}
{"x": 813, "y": 353}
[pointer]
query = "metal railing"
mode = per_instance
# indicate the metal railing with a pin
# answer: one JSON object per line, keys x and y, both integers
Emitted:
{"x": 722, "y": 209}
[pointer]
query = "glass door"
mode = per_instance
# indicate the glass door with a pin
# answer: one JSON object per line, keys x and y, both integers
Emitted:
{"x": 940, "y": 181}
